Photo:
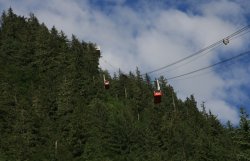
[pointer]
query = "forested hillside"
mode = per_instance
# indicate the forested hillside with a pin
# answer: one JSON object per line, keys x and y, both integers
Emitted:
{"x": 54, "y": 107}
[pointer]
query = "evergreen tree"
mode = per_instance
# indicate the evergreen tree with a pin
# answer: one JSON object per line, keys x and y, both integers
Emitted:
{"x": 53, "y": 106}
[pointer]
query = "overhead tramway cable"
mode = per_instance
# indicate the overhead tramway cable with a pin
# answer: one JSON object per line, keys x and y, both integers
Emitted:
{"x": 223, "y": 41}
{"x": 116, "y": 69}
{"x": 240, "y": 35}
{"x": 181, "y": 65}
{"x": 198, "y": 56}
{"x": 210, "y": 66}
{"x": 106, "y": 62}
{"x": 181, "y": 60}
{"x": 195, "y": 75}
{"x": 239, "y": 31}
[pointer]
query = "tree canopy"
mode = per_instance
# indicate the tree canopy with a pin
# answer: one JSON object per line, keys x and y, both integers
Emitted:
{"x": 53, "y": 106}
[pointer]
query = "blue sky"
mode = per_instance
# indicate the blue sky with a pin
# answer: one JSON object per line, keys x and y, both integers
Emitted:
{"x": 152, "y": 33}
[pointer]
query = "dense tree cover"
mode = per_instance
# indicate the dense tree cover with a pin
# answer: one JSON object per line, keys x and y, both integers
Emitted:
{"x": 53, "y": 106}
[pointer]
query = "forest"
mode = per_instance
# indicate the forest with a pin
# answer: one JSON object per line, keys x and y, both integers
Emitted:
{"x": 54, "y": 107}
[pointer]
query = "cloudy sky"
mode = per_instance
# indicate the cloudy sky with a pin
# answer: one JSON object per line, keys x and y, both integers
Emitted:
{"x": 149, "y": 34}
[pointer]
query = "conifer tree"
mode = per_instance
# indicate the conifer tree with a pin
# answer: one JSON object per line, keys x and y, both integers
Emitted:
{"x": 53, "y": 106}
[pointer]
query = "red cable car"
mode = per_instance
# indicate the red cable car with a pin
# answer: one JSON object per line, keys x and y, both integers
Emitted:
{"x": 157, "y": 93}
{"x": 157, "y": 96}
{"x": 106, "y": 83}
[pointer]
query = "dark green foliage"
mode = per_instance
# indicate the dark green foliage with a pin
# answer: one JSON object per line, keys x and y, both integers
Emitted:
{"x": 241, "y": 136}
{"x": 53, "y": 106}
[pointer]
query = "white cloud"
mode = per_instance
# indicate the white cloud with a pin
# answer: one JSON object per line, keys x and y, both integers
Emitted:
{"x": 151, "y": 38}
{"x": 227, "y": 10}
{"x": 223, "y": 110}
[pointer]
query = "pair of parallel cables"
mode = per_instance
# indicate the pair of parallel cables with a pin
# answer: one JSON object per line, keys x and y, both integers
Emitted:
{"x": 202, "y": 52}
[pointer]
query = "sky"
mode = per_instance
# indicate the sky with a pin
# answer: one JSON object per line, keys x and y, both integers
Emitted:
{"x": 149, "y": 34}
